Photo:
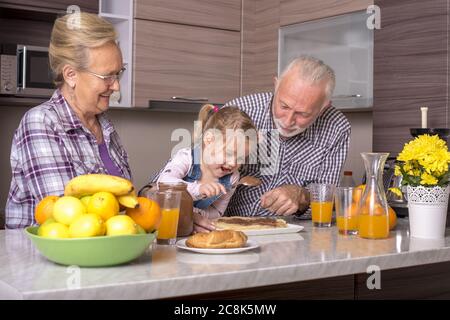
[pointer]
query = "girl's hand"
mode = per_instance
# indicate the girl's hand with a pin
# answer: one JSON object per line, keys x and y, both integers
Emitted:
{"x": 212, "y": 189}
{"x": 202, "y": 224}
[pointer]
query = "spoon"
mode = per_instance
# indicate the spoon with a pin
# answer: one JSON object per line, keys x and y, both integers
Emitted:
{"x": 248, "y": 181}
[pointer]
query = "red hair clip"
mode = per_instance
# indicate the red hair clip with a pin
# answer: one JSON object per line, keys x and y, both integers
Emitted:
{"x": 216, "y": 109}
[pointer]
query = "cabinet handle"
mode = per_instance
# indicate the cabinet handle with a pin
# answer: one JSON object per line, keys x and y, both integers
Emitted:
{"x": 189, "y": 99}
{"x": 357, "y": 95}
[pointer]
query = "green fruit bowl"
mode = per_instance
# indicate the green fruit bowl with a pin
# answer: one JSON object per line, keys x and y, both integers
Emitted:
{"x": 101, "y": 251}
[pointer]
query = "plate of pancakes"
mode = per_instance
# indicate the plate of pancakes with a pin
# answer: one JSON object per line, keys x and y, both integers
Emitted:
{"x": 255, "y": 226}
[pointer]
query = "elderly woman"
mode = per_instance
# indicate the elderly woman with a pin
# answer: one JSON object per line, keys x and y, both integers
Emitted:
{"x": 69, "y": 135}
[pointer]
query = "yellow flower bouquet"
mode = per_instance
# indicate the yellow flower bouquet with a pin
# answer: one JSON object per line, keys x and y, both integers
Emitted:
{"x": 423, "y": 165}
{"x": 424, "y": 161}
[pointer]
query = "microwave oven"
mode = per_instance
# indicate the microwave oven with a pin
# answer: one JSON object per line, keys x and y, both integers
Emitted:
{"x": 25, "y": 71}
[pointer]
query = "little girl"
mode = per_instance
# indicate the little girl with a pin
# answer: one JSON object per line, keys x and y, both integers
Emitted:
{"x": 210, "y": 167}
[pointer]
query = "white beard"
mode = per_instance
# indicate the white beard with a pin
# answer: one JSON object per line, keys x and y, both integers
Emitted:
{"x": 295, "y": 130}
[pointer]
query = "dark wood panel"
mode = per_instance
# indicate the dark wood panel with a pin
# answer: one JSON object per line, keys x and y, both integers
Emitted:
{"x": 260, "y": 45}
{"x": 36, "y": 33}
{"x": 187, "y": 61}
{"x": 52, "y": 5}
{"x": 410, "y": 53}
{"x": 423, "y": 282}
{"x": 330, "y": 288}
{"x": 222, "y": 14}
{"x": 410, "y": 70}
{"x": 392, "y": 119}
{"x": 295, "y": 11}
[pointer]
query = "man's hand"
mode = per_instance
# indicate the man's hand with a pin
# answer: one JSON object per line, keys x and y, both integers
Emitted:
{"x": 211, "y": 189}
{"x": 202, "y": 224}
{"x": 285, "y": 200}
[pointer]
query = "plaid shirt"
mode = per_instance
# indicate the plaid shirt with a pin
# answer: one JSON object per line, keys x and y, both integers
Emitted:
{"x": 50, "y": 147}
{"x": 316, "y": 155}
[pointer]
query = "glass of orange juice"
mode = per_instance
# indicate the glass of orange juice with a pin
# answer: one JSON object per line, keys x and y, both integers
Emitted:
{"x": 346, "y": 210}
{"x": 321, "y": 196}
{"x": 169, "y": 202}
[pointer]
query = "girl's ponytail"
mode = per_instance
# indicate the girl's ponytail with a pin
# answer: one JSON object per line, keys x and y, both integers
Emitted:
{"x": 203, "y": 116}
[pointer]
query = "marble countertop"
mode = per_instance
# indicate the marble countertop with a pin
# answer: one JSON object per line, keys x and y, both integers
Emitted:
{"x": 165, "y": 271}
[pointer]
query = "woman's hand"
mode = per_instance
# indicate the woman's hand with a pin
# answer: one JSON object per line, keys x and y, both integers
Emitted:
{"x": 202, "y": 224}
{"x": 212, "y": 189}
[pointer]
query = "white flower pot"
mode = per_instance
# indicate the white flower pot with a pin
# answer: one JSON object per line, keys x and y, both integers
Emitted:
{"x": 427, "y": 209}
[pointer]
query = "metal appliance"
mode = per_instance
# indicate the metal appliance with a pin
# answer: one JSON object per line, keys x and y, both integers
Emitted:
{"x": 25, "y": 71}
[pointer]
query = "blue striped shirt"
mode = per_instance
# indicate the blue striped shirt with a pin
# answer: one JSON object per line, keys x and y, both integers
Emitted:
{"x": 313, "y": 156}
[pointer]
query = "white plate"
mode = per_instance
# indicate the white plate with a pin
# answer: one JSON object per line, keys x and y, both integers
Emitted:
{"x": 247, "y": 257}
{"x": 291, "y": 228}
{"x": 248, "y": 246}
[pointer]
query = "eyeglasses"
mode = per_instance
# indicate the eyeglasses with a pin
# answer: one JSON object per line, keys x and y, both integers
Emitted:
{"x": 108, "y": 79}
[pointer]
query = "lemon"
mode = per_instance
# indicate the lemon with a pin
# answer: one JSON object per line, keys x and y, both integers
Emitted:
{"x": 67, "y": 209}
{"x": 120, "y": 225}
{"x": 85, "y": 200}
{"x": 140, "y": 230}
{"x": 104, "y": 204}
{"x": 87, "y": 225}
{"x": 54, "y": 230}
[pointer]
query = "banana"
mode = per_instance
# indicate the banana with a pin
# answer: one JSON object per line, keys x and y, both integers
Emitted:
{"x": 129, "y": 200}
{"x": 88, "y": 184}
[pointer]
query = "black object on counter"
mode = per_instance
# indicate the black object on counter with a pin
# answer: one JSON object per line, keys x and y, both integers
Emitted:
{"x": 443, "y": 133}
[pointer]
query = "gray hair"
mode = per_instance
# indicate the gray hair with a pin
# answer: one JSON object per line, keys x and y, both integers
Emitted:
{"x": 312, "y": 70}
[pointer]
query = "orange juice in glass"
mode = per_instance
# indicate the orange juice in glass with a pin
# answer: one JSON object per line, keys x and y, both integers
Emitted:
{"x": 169, "y": 223}
{"x": 169, "y": 202}
{"x": 321, "y": 196}
{"x": 346, "y": 210}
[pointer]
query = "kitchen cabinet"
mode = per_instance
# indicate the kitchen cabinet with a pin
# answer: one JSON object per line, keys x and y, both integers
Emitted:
{"x": 221, "y": 14}
{"x": 344, "y": 43}
{"x": 410, "y": 70}
{"x": 52, "y": 5}
{"x": 184, "y": 61}
{"x": 295, "y": 11}
{"x": 261, "y": 21}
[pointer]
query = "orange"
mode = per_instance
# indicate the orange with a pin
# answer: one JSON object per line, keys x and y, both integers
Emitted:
{"x": 354, "y": 207}
{"x": 358, "y": 193}
{"x": 392, "y": 218}
{"x": 104, "y": 204}
{"x": 147, "y": 215}
{"x": 44, "y": 209}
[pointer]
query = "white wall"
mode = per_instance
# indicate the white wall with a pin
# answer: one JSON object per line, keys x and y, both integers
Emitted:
{"x": 360, "y": 141}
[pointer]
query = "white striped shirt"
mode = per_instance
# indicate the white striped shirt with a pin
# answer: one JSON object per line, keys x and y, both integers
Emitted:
{"x": 313, "y": 156}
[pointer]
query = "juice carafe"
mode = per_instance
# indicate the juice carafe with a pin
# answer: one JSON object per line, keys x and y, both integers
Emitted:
{"x": 373, "y": 209}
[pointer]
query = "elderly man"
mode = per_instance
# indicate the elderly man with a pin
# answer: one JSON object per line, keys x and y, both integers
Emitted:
{"x": 312, "y": 143}
{"x": 306, "y": 137}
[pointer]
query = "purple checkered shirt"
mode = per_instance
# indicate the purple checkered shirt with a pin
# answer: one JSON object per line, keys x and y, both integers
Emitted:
{"x": 50, "y": 147}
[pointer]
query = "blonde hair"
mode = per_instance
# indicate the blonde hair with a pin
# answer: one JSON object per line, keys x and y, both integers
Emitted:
{"x": 72, "y": 36}
{"x": 230, "y": 117}
{"x": 312, "y": 70}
